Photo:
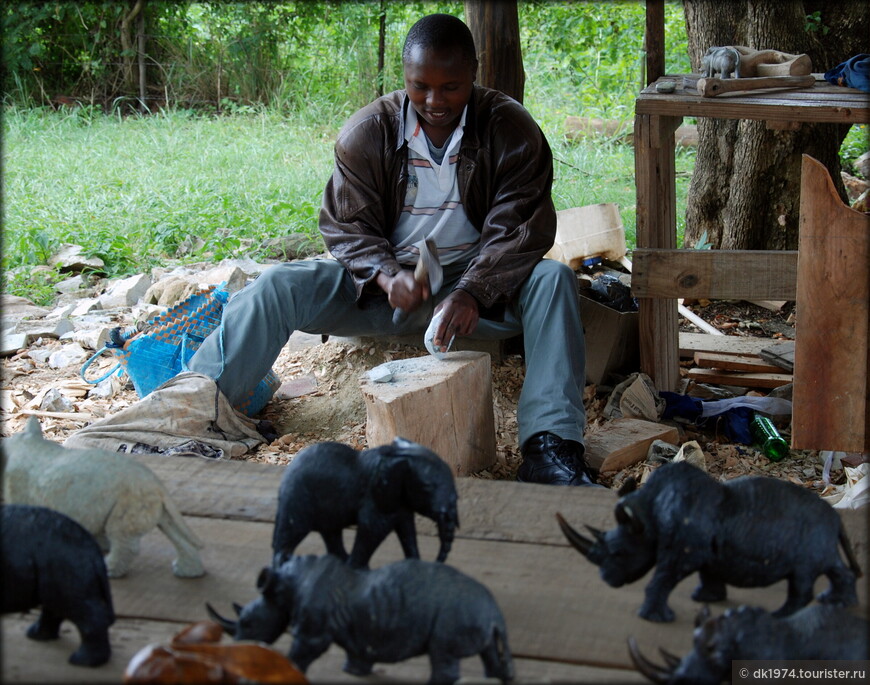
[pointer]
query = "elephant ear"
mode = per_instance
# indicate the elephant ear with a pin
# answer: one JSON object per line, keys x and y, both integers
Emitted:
{"x": 388, "y": 484}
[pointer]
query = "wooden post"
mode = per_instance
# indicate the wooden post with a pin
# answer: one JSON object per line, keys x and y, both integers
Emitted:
{"x": 654, "y": 40}
{"x": 496, "y": 30}
{"x": 831, "y": 398}
{"x": 445, "y": 405}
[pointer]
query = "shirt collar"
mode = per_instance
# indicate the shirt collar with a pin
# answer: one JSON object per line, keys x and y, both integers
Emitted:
{"x": 412, "y": 124}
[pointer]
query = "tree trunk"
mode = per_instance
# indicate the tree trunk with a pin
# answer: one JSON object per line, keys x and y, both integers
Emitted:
{"x": 496, "y": 30}
{"x": 745, "y": 190}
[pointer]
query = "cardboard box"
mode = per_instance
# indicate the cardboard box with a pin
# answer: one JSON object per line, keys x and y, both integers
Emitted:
{"x": 588, "y": 231}
{"x": 612, "y": 342}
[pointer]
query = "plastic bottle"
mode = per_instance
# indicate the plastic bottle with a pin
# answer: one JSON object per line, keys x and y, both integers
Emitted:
{"x": 768, "y": 438}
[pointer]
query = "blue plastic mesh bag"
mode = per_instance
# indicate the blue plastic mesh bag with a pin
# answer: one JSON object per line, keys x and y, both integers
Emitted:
{"x": 164, "y": 345}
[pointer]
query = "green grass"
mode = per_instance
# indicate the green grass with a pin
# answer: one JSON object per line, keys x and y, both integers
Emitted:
{"x": 133, "y": 191}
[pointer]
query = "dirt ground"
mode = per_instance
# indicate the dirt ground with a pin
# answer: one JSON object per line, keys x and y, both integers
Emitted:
{"x": 320, "y": 399}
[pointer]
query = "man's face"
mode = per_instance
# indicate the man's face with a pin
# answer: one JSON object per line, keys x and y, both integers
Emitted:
{"x": 439, "y": 85}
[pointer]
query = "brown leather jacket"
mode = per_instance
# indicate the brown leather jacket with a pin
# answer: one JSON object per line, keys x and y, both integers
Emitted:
{"x": 505, "y": 179}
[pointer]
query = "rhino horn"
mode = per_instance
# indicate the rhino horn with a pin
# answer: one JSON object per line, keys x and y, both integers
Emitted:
{"x": 597, "y": 533}
{"x": 228, "y": 625}
{"x": 237, "y": 608}
{"x": 651, "y": 671}
{"x": 671, "y": 660}
{"x": 580, "y": 543}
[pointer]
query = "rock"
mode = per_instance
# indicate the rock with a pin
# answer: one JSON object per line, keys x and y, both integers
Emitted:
{"x": 16, "y": 308}
{"x": 290, "y": 247}
{"x": 126, "y": 292}
{"x": 71, "y": 258}
{"x": 72, "y": 285}
{"x": 53, "y": 400}
{"x": 45, "y": 328}
{"x": 93, "y": 338}
{"x": 862, "y": 164}
{"x": 86, "y": 306}
{"x": 11, "y": 342}
{"x": 66, "y": 355}
{"x": 234, "y": 277}
{"x": 169, "y": 291}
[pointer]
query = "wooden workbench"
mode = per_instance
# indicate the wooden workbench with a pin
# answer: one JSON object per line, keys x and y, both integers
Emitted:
{"x": 662, "y": 274}
{"x": 564, "y": 623}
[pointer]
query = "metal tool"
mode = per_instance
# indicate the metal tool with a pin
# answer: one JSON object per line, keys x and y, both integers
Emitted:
{"x": 428, "y": 270}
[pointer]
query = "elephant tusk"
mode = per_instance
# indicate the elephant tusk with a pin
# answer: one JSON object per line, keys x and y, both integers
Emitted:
{"x": 651, "y": 671}
{"x": 580, "y": 543}
{"x": 228, "y": 626}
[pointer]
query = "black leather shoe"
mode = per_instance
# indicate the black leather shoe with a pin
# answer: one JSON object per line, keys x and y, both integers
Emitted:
{"x": 549, "y": 459}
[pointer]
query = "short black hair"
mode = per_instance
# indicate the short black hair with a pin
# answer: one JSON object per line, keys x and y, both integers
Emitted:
{"x": 441, "y": 32}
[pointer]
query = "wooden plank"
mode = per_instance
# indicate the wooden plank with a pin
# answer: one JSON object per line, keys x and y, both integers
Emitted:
{"x": 734, "y": 362}
{"x": 721, "y": 274}
{"x": 727, "y": 344}
{"x": 781, "y": 355}
{"x": 45, "y": 662}
{"x": 832, "y": 360}
{"x": 623, "y": 442}
{"x": 443, "y": 404}
{"x": 488, "y": 509}
{"x": 742, "y": 380}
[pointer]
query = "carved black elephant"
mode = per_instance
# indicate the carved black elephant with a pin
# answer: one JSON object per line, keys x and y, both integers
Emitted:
{"x": 330, "y": 486}
{"x": 386, "y": 615}
{"x": 50, "y": 561}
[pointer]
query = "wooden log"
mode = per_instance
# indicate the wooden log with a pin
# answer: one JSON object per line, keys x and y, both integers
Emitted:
{"x": 625, "y": 442}
{"x": 831, "y": 408}
{"x": 444, "y": 404}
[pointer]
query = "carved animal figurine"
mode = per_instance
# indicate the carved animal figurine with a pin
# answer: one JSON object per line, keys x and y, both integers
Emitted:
{"x": 195, "y": 657}
{"x": 395, "y": 612}
{"x": 749, "y": 532}
{"x": 117, "y": 499}
{"x": 330, "y": 486}
{"x": 818, "y": 632}
{"x": 721, "y": 60}
{"x": 50, "y": 561}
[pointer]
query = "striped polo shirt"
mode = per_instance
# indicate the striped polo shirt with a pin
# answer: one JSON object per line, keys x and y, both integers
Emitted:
{"x": 432, "y": 207}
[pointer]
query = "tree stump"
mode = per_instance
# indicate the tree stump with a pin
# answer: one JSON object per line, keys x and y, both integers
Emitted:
{"x": 445, "y": 405}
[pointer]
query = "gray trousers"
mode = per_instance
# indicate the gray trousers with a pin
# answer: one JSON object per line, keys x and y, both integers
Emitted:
{"x": 318, "y": 296}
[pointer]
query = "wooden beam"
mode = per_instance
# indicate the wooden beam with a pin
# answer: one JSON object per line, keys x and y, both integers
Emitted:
{"x": 724, "y": 274}
{"x": 496, "y": 30}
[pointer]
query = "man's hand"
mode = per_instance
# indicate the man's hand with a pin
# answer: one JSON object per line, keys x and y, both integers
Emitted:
{"x": 459, "y": 316}
{"x": 403, "y": 292}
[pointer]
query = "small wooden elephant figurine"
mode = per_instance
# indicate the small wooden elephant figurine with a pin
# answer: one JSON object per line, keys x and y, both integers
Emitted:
{"x": 389, "y": 614}
{"x": 50, "y": 561}
{"x": 377, "y": 489}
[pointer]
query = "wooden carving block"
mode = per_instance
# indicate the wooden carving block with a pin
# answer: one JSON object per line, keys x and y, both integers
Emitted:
{"x": 445, "y": 405}
{"x": 624, "y": 442}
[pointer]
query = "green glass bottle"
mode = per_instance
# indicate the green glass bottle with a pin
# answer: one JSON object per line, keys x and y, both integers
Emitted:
{"x": 768, "y": 438}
